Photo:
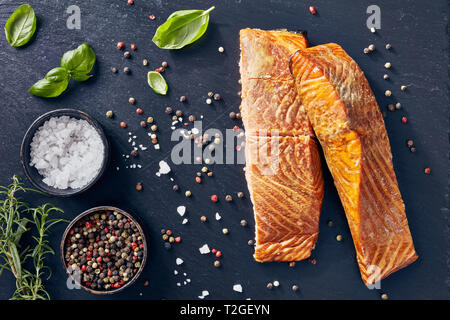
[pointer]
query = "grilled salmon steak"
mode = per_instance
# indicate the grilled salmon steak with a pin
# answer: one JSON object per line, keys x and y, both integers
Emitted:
{"x": 348, "y": 123}
{"x": 283, "y": 169}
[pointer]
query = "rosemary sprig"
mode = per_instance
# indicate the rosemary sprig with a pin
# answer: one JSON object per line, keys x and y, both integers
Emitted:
{"x": 16, "y": 217}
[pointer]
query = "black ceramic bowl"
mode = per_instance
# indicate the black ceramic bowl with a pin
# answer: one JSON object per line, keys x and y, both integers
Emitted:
{"x": 91, "y": 212}
{"x": 33, "y": 174}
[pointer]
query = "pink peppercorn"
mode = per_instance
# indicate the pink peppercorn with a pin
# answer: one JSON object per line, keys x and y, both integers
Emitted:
{"x": 133, "y": 47}
{"x": 404, "y": 120}
{"x": 151, "y": 17}
{"x": 130, "y": 2}
{"x": 427, "y": 171}
{"x": 139, "y": 111}
{"x": 120, "y": 45}
{"x": 312, "y": 10}
{"x": 214, "y": 198}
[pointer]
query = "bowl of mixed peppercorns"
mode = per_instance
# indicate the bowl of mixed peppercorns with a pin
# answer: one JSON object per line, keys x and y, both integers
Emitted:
{"x": 104, "y": 250}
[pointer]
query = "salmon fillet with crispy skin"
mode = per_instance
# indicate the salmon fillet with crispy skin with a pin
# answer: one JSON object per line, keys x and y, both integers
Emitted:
{"x": 283, "y": 170}
{"x": 348, "y": 123}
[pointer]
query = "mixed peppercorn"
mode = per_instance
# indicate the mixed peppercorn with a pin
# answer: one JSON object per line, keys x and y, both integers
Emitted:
{"x": 107, "y": 248}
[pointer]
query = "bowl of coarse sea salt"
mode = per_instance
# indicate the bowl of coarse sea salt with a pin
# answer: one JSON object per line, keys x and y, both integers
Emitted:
{"x": 64, "y": 152}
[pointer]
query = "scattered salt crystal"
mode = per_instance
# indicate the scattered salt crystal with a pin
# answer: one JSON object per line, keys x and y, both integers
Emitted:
{"x": 184, "y": 221}
{"x": 178, "y": 284}
{"x": 237, "y": 288}
{"x": 204, "y": 249}
{"x": 181, "y": 210}
{"x": 218, "y": 216}
{"x": 179, "y": 261}
{"x": 276, "y": 283}
{"x": 184, "y": 282}
{"x": 163, "y": 167}
{"x": 184, "y": 274}
{"x": 67, "y": 152}
{"x": 188, "y": 280}
{"x": 195, "y": 130}
{"x": 157, "y": 146}
{"x": 175, "y": 272}
{"x": 205, "y": 293}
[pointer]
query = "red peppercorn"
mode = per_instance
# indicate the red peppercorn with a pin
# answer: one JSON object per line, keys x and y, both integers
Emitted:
{"x": 133, "y": 47}
{"x": 110, "y": 273}
{"x": 88, "y": 225}
{"x": 139, "y": 111}
{"x": 213, "y": 250}
{"x": 123, "y": 124}
{"x": 427, "y": 171}
{"x": 404, "y": 120}
{"x": 106, "y": 230}
{"x": 151, "y": 17}
{"x": 312, "y": 10}
{"x": 99, "y": 259}
{"x": 218, "y": 254}
{"x": 83, "y": 267}
{"x": 177, "y": 239}
{"x": 169, "y": 232}
{"x": 214, "y": 198}
{"x": 198, "y": 179}
{"x": 130, "y": 2}
{"x": 120, "y": 45}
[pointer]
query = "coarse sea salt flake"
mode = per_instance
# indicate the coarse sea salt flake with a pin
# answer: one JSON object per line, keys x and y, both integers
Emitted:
{"x": 181, "y": 210}
{"x": 163, "y": 167}
{"x": 237, "y": 288}
{"x": 204, "y": 249}
{"x": 179, "y": 261}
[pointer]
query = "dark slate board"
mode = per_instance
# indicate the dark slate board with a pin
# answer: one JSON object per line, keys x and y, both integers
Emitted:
{"x": 417, "y": 32}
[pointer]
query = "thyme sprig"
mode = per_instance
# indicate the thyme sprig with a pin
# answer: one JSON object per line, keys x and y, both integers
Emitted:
{"x": 17, "y": 218}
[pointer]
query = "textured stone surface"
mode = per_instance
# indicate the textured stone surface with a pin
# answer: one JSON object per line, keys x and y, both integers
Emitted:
{"x": 419, "y": 56}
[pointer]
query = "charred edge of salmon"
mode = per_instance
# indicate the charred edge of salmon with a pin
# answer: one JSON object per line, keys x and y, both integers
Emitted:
{"x": 291, "y": 62}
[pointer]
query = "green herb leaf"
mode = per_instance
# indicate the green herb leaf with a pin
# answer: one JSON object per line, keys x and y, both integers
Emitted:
{"x": 157, "y": 82}
{"x": 53, "y": 84}
{"x": 20, "y": 26}
{"x": 79, "y": 62}
{"x": 182, "y": 28}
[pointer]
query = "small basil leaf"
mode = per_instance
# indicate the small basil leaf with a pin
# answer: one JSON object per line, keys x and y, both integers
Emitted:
{"x": 79, "y": 61}
{"x": 53, "y": 84}
{"x": 20, "y": 26}
{"x": 157, "y": 82}
{"x": 182, "y": 28}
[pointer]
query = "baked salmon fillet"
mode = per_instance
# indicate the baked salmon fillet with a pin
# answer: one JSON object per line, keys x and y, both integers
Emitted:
{"x": 283, "y": 169}
{"x": 348, "y": 123}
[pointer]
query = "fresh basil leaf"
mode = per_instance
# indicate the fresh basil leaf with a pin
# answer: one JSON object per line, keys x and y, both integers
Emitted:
{"x": 157, "y": 82}
{"x": 79, "y": 62}
{"x": 53, "y": 84}
{"x": 20, "y": 26}
{"x": 182, "y": 28}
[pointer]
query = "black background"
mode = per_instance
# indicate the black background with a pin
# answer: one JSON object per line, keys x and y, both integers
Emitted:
{"x": 418, "y": 33}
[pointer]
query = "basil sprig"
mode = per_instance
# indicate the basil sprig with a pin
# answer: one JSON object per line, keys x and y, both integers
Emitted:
{"x": 20, "y": 26}
{"x": 182, "y": 28}
{"x": 157, "y": 82}
{"x": 75, "y": 64}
